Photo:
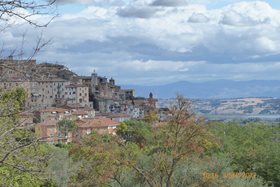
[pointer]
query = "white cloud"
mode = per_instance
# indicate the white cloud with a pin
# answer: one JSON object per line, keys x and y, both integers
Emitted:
{"x": 160, "y": 66}
{"x": 167, "y": 42}
{"x": 171, "y": 3}
{"x": 198, "y": 18}
{"x": 136, "y": 12}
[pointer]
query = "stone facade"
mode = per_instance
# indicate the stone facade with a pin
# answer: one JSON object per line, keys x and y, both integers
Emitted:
{"x": 65, "y": 112}
{"x": 46, "y": 84}
{"x": 106, "y": 96}
{"x": 54, "y": 85}
{"x": 48, "y": 130}
{"x": 77, "y": 93}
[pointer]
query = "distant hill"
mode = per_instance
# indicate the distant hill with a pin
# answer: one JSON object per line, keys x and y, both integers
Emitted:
{"x": 212, "y": 89}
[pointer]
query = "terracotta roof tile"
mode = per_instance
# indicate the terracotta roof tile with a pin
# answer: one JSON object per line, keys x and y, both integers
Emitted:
{"x": 48, "y": 122}
{"x": 96, "y": 122}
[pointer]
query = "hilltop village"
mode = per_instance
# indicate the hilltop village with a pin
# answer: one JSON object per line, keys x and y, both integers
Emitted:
{"x": 56, "y": 93}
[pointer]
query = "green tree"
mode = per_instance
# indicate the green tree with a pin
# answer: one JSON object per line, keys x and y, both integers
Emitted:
{"x": 176, "y": 153}
{"x": 64, "y": 127}
{"x": 183, "y": 136}
{"x": 60, "y": 167}
{"x": 22, "y": 156}
{"x": 253, "y": 147}
{"x": 138, "y": 132}
{"x": 99, "y": 157}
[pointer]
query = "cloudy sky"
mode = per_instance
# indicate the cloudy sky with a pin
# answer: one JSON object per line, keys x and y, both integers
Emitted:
{"x": 149, "y": 42}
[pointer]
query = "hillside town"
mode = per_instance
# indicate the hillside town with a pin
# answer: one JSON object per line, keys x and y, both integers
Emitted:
{"x": 55, "y": 93}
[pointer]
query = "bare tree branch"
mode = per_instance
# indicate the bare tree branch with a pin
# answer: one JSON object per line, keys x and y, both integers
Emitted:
{"x": 12, "y": 8}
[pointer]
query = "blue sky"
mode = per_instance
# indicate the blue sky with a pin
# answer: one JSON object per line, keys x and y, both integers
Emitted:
{"x": 221, "y": 3}
{"x": 161, "y": 41}
{"x": 211, "y": 4}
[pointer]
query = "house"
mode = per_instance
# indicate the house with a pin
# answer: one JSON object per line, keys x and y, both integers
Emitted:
{"x": 77, "y": 93}
{"x": 101, "y": 125}
{"x": 46, "y": 84}
{"x": 48, "y": 130}
{"x": 54, "y": 85}
{"x": 26, "y": 119}
{"x": 54, "y": 113}
{"x": 120, "y": 117}
{"x": 65, "y": 112}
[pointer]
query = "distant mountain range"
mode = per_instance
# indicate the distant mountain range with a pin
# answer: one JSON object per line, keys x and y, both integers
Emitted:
{"x": 212, "y": 89}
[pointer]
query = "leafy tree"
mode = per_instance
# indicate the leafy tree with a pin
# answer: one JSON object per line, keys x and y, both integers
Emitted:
{"x": 176, "y": 153}
{"x": 138, "y": 132}
{"x": 22, "y": 157}
{"x": 253, "y": 147}
{"x": 124, "y": 161}
{"x": 183, "y": 136}
{"x": 64, "y": 127}
{"x": 60, "y": 167}
{"x": 98, "y": 156}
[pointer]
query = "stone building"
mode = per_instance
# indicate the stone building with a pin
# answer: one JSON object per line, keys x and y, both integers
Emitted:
{"x": 54, "y": 85}
{"x": 16, "y": 70}
{"x": 64, "y": 112}
{"x": 48, "y": 130}
{"x": 46, "y": 84}
{"x": 101, "y": 125}
{"x": 105, "y": 94}
{"x": 77, "y": 93}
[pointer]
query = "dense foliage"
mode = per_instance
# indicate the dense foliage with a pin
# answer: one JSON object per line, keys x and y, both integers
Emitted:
{"x": 254, "y": 147}
{"x": 22, "y": 156}
{"x": 185, "y": 151}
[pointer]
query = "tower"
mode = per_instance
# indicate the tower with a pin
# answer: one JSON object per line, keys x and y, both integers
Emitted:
{"x": 112, "y": 81}
{"x": 94, "y": 78}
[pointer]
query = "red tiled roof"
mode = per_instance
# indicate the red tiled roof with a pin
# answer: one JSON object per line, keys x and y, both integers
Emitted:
{"x": 79, "y": 112}
{"x": 48, "y": 122}
{"x": 96, "y": 123}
